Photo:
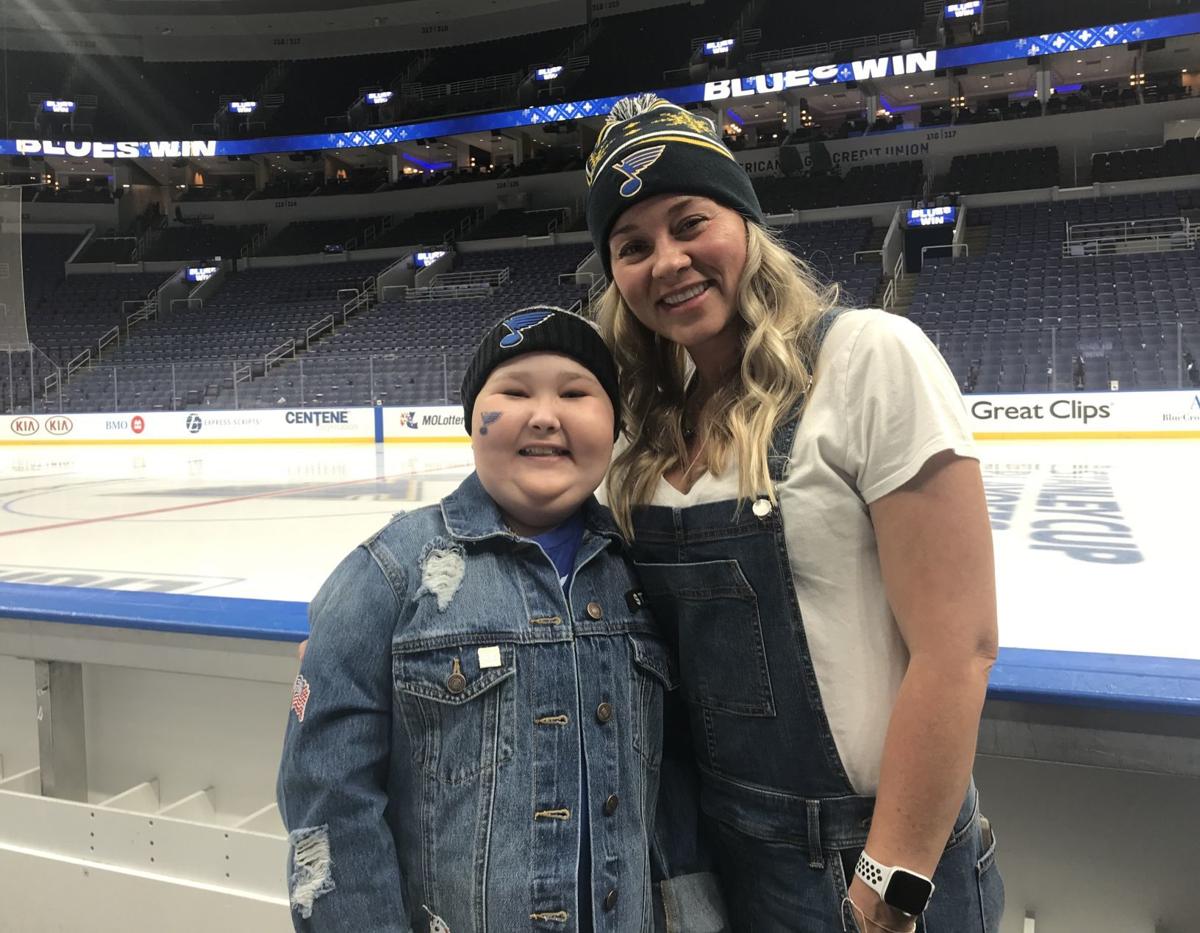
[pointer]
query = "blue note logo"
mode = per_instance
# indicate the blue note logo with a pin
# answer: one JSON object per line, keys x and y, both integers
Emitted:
{"x": 519, "y": 323}
{"x": 633, "y": 166}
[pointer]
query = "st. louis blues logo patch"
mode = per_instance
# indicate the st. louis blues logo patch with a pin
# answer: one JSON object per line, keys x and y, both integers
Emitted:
{"x": 519, "y": 323}
{"x": 632, "y": 167}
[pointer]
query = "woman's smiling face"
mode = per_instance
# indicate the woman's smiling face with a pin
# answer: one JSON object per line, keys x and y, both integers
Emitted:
{"x": 677, "y": 261}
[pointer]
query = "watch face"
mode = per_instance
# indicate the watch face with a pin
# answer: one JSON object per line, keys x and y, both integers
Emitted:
{"x": 908, "y": 892}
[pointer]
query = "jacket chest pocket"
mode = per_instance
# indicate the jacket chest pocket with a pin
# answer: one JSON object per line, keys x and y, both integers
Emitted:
{"x": 722, "y": 657}
{"x": 456, "y": 705}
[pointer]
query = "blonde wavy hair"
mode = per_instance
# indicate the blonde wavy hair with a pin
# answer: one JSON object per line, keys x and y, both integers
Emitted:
{"x": 779, "y": 300}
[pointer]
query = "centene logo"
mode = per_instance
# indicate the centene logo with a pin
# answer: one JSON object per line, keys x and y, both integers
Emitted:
{"x": 24, "y": 426}
{"x": 158, "y": 149}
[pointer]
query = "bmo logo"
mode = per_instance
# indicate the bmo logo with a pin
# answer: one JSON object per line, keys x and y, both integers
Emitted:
{"x": 24, "y": 426}
{"x": 59, "y": 425}
{"x": 137, "y": 424}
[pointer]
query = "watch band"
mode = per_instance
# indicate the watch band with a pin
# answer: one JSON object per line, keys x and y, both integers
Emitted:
{"x": 878, "y": 877}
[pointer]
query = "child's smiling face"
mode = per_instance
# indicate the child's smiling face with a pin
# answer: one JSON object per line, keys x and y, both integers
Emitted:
{"x": 542, "y": 438}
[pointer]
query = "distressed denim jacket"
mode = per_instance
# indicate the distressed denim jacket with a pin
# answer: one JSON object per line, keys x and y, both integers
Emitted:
{"x": 450, "y": 702}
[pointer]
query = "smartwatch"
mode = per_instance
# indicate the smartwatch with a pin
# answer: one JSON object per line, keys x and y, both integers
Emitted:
{"x": 897, "y": 887}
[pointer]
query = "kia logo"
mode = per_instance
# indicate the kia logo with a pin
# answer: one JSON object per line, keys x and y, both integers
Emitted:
{"x": 24, "y": 426}
{"x": 59, "y": 425}
{"x": 137, "y": 425}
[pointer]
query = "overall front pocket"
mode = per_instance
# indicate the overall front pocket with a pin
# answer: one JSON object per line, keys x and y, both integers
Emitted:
{"x": 722, "y": 658}
{"x": 456, "y": 705}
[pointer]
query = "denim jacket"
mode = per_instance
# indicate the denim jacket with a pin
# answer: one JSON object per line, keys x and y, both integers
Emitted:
{"x": 451, "y": 699}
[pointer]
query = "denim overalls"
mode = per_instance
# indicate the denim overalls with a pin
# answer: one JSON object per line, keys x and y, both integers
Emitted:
{"x": 779, "y": 808}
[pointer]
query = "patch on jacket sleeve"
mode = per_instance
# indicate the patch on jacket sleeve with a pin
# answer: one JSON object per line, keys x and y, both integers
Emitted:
{"x": 300, "y": 694}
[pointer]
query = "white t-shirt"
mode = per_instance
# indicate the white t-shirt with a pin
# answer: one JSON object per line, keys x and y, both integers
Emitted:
{"x": 883, "y": 403}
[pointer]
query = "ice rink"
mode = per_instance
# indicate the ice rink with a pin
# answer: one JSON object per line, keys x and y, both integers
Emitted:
{"x": 1093, "y": 539}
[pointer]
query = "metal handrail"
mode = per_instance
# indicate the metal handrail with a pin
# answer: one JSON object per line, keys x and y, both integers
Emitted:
{"x": 353, "y": 305}
{"x": 466, "y": 86}
{"x": 345, "y": 294}
{"x": 288, "y": 347}
{"x": 889, "y": 295}
{"x": 106, "y": 338}
{"x": 866, "y": 252}
{"x": 494, "y": 277}
{"x": 880, "y": 40}
{"x": 78, "y": 363}
{"x": 899, "y": 268}
{"x": 326, "y": 323}
{"x": 953, "y": 247}
{"x": 1123, "y": 228}
{"x": 241, "y": 373}
{"x": 436, "y": 292}
{"x": 1156, "y": 234}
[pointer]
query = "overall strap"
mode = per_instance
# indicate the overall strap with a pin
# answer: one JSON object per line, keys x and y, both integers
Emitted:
{"x": 781, "y": 442}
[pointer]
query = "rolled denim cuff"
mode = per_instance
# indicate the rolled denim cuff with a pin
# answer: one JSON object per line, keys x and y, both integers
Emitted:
{"x": 693, "y": 904}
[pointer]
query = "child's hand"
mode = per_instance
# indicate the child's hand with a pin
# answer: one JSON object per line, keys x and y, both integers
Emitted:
{"x": 300, "y": 649}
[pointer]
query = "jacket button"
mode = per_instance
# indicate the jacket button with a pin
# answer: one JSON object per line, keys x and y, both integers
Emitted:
{"x": 456, "y": 683}
{"x": 611, "y": 804}
{"x": 604, "y": 712}
{"x": 594, "y": 611}
{"x": 610, "y": 899}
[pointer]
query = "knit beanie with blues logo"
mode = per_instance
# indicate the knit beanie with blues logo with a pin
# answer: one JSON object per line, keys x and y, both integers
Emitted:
{"x": 650, "y": 146}
{"x": 542, "y": 329}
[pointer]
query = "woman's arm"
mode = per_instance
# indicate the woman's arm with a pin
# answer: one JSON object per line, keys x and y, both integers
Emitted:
{"x": 935, "y": 550}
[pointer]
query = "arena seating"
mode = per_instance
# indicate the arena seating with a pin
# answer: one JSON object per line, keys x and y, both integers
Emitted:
{"x": 515, "y": 223}
{"x": 414, "y": 352}
{"x": 829, "y": 247}
{"x": 312, "y": 236}
{"x": 108, "y": 249}
{"x": 867, "y": 184}
{"x": 1175, "y": 157}
{"x": 201, "y": 241}
{"x": 65, "y": 315}
{"x": 1005, "y": 170}
{"x": 427, "y": 227}
{"x": 1014, "y": 318}
{"x": 187, "y": 358}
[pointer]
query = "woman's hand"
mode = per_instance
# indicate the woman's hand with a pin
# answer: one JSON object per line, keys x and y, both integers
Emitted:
{"x": 873, "y": 914}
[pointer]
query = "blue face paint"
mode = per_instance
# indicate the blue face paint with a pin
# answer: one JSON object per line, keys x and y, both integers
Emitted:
{"x": 489, "y": 417}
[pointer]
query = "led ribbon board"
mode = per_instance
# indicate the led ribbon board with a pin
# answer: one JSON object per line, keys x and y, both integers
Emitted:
{"x": 932, "y": 217}
{"x": 1072, "y": 40}
{"x": 377, "y": 97}
{"x": 243, "y": 106}
{"x": 718, "y": 47}
{"x": 58, "y": 106}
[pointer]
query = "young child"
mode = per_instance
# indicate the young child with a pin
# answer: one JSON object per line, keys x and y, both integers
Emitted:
{"x": 476, "y": 729}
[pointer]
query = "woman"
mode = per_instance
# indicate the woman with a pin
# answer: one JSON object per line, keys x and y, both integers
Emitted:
{"x": 807, "y": 513}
